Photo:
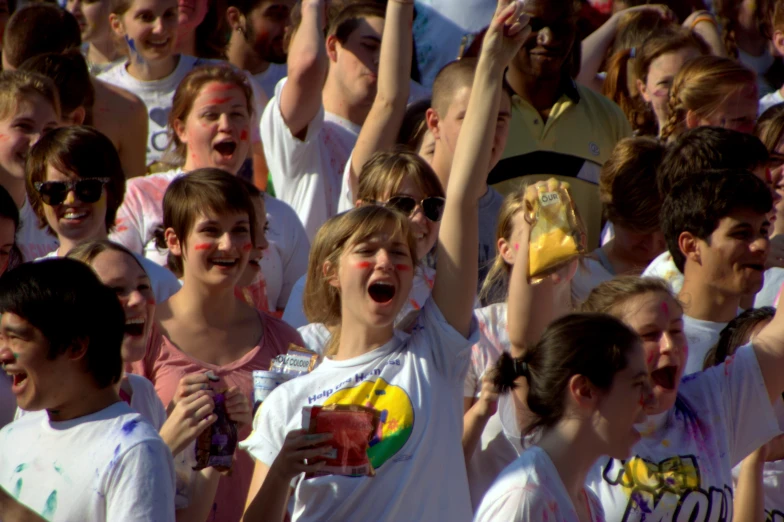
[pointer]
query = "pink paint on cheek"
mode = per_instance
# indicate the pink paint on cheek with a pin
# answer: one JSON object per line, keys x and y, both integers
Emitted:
{"x": 202, "y": 246}
{"x": 247, "y": 247}
{"x": 517, "y": 246}
{"x": 402, "y": 268}
{"x": 363, "y": 264}
{"x": 3, "y": 137}
{"x": 244, "y": 135}
{"x": 151, "y": 301}
{"x": 649, "y": 358}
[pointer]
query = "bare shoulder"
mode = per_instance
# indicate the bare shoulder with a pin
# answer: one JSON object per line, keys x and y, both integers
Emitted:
{"x": 111, "y": 98}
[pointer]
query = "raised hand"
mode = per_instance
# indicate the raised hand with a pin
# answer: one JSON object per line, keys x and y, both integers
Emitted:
{"x": 507, "y": 31}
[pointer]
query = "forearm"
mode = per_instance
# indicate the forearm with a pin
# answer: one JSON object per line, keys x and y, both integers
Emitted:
{"x": 307, "y": 68}
{"x": 270, "y": 503}
{"x": 530, "y": 308}
{"x": 386, "y": 115}
{"x": 14, "y": 511}
{"x": 749, "y": 493}
{"x": 204, "y": 485}
{"x": 474, "y": 422}
{"x": 594, "y": 48}
{"x": 706, "y": 26}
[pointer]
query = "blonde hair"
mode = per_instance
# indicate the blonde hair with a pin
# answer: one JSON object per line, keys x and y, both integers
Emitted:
{"x": 496, "y": 283}
{"x": 187, "y": 92}
{"x": 15, "y": 85}
{"x": 321, "y": 300}
{"x": 87, "y": 252}
{"x": 701, "y": 86}
{"x": 384, "y": 172}
{"x": 610, "y": 296}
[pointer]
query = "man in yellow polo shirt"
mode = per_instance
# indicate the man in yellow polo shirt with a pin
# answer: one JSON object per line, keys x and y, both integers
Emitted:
{"x": 558, "y": 128}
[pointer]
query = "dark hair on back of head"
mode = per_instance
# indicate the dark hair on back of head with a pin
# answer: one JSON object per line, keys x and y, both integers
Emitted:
{"x": 697, "y": 204}
{"x": 770, "y": 126}
{"x": 69, "y": 73}
{"x": 345, "y": 21}
{"x": 414, "y": 126}
{"x": 64, "y": 299}
{"x": 9, "y": 210}
{"x": 39, "y": 28}
{"x": 596, "y": 346}
{"x": 736, "y": 334}
{"x": 708, "y": 148}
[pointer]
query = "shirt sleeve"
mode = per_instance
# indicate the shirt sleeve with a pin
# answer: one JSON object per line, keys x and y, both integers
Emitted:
{"x": 519, "y": 504}
{"x": 141, "y": 485}
{"x": 129, "y": 225}
{"x": 294, "y": 314}
{"x": 270, "y": 426}
{"x": 284, "y": 151}
{"x": 434, "y": 338}
{"x": 346, "y": 199}
{"x": 295, "y": 257}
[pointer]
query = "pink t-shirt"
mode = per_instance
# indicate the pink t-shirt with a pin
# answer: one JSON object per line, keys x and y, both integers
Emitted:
{"x": 164, "y": 364}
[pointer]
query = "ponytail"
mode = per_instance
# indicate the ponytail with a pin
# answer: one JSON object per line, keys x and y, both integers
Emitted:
{"x": 507, "y": 370}
{"x": 616, "y": 87}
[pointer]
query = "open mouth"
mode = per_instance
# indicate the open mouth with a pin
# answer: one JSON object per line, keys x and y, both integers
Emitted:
{"x": 226, "y": 148}
{"x": 224, "y": 262}
{"x": 19, "y": 379}
{"x": 665, "y": 377}
{"x": 158, "y": 44}
{"x": 760, "y": 268}
{"x": 72, "y": 214}
{"x": 381, "y": 292}
{"x": 255, "y": 261}
{"x": 134, "y": 327}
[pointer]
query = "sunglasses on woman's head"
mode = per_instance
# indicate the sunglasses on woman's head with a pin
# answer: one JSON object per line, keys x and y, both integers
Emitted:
{"x": 432, "y": 207}
{"x": 86, "y": 190}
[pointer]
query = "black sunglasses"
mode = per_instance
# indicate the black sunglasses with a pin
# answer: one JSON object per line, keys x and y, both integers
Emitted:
{"x": 432, "y": 207}
{"x": 86, "y": 190}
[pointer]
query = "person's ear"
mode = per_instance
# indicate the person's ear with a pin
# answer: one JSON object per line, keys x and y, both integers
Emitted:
{"x": 330, "y": 274}
{"x": 235, "y": 19}
{"x": 431, "y": 118}
{"x": 778, "y": 42}
{"x": 115, "y": 22}
{"x": 76, "y": 117}
{"x": 689, "y": 246}
{"x": 506, "y": 251}
{"x": 583, "y": 392}
{"x": 692, "y": 120}
{"x": 77, "y": 350}
{"x": 332, "y": 48}
{"x": 643, "y": 90}
{"x": 173, "y": 242}
{"x": 358, "y": 203}
{"x": 179, "y": 130}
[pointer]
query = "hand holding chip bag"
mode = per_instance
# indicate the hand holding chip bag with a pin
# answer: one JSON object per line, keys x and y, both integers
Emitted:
{"x": 557, "y": 233}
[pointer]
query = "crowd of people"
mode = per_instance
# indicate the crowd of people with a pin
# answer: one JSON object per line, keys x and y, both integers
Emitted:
{"x": 278, "y": 260}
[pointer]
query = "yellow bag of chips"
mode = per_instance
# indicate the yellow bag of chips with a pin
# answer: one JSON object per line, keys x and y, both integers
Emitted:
{"x": 557, "y": 234}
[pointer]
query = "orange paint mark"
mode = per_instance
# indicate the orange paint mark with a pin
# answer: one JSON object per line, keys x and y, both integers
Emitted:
{"x": 202, "y": 246}
{"x": 219, "y": 101}
{"x": 244, "y": 135}
{"x": 221, "y": 87}
{"x": 363, "y": 264}
{"x": 121, "y": 229}
{"x": 3, "y": 137}
{"x": 402, "y": 268}
{"x": 151, "y": 301}
{"x": 247, "y": 247}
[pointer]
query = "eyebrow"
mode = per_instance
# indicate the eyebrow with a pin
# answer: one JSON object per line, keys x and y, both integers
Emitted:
{"x": 22, "y": 331}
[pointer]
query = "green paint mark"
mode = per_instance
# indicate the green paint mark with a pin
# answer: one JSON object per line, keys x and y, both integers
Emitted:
{"x": 18, "y": 488}
{"x": 51, "y": 506}
{"x": 58, "y": 469}
{"x": 20, "y": 468}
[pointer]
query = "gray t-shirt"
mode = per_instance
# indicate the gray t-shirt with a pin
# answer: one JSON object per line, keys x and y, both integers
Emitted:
{"x": 489, "y": 207}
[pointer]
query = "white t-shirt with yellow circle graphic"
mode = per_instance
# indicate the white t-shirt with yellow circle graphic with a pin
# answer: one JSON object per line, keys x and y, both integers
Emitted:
{"x": 416, "y": 382}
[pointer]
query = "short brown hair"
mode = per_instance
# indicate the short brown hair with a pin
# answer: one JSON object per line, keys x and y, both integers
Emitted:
{"x": 16, "y": 85}
{"x": 39, "y": 28}
{"x": 610, "y": 296}
{"x": 87, "y": 252}
{"x": 69, "y": 73}
{"x": 627, "y": 184}
{"x": 80, "y": 151}
{"x": 451, "y": 78}
{"x": 770, "y": 127}
{"x": 384, "y": 172}
{"x": 188, "y": 90}
{"x": 199, "y": 191}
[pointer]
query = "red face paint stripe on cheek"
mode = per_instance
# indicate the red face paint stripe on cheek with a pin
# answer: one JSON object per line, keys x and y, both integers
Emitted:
{"x": 247, "y": 247}
{"x": 244, "y": 135}
{"x": 402, "y": 268}
{"x": 363, "y": 264}
{"x": 202, "y": 246}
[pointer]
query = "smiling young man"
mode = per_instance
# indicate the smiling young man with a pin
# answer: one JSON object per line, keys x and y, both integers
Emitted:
{"x": 256, "y": 45}
{"x": 558, "y": 128}
{"x": 82, "y": 453}
{"x": 716, "y": 226}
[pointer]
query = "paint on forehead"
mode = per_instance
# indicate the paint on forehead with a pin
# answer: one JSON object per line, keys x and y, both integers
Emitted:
{"x": 202, "y": 246}
{"x": 219, "y": 101}
{"x": 220, "y": 87}
{"x": 665, "y": 309}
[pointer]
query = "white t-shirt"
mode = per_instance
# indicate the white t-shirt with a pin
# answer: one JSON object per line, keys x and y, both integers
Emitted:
{"x": 164, "y": 283}
{"x": 664, "y": 267}
{"x": 107, "y": 466}
{"x": 683, "y": 463}
{"x": 307, "y": 173}
{"x": 770, "y": 293}
{"x": 286, "y": 259}
{"x": 157, "y": 95}
{"x": 702, "y": 336}
{"x": 415, "y": 382}
{"x": 270, "y": 78}
{"x": 422, "y": 285}
{"x": 769, "y": 100}
{"x": 531, "y": 489}
{"x": 33, "y": 242}
{"x": 590, "y": 274}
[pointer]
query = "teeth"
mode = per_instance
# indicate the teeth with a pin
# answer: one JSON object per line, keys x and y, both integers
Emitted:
{"x": 70, "y": 214}
{"x": 224, "y": 261}
{"x": 135, "y": 320}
